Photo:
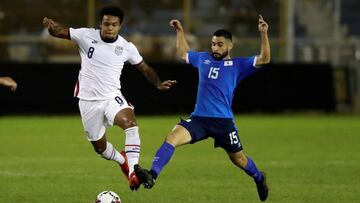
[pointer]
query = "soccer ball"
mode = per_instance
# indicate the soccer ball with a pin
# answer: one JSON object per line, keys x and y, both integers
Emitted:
{"x": 108, "y": 197}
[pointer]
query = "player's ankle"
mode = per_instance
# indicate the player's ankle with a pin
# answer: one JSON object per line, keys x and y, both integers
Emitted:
{"x": 153, "y": 174}
{"x": 259, "y": 179}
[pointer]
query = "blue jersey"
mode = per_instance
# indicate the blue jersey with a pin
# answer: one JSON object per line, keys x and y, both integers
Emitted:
{"x": 217, "y": 82}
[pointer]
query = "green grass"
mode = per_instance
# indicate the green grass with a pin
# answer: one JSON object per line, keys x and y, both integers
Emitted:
{"x": 307, "y": 158}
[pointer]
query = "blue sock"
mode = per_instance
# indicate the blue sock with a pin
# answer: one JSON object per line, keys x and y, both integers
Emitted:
{"x": 252, "y": 171}
{"x": 162, "y": 157}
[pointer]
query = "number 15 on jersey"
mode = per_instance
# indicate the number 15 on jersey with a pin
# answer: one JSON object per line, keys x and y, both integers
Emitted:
{"x": 213, "y": 73}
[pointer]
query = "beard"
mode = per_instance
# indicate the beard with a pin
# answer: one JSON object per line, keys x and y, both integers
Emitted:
{"x": 218, "y": 56}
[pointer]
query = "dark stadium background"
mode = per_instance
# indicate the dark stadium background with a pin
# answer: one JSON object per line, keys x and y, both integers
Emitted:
{"x": 48, "y": 89}
{"x": 315, "y": 50}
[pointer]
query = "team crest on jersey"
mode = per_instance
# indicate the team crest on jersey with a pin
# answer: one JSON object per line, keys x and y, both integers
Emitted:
{"x": 207, "y": 62}
{"x": 118, "y": 50}
{"x": 228, "y": 63}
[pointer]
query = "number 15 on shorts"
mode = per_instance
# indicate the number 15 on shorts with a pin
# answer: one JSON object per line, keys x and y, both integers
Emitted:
{"x": 233, "y": 138}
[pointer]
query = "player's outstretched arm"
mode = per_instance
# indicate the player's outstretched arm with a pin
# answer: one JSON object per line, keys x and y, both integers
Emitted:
{"x": 153, "y": 77}
{"x": 182, "y": 46}
{"x": 8, "y": 82}
{"x": 264, "y": 57}
{"x": 55, "y": 29}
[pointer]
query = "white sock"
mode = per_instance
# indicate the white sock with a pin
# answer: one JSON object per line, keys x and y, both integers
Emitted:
{"x": 111, "y": 153}
{"x": 132, "y": 147}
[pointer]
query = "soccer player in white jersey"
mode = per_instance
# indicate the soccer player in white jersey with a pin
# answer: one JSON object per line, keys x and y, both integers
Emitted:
{"x": 103, "y": 54}
{"x": 8, "y": 82}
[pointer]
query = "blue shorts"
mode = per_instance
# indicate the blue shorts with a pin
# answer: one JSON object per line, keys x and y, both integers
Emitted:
{"x": 222, "y": 130}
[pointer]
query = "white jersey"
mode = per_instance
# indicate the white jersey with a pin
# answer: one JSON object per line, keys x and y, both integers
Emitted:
{"x": 101, "y": 63}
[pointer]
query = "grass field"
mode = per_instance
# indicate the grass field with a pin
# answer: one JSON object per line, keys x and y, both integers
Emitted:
{"x": 308, "y": 158}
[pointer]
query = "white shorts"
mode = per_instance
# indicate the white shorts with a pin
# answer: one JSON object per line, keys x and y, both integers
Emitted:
{"x": 97, "y": 115}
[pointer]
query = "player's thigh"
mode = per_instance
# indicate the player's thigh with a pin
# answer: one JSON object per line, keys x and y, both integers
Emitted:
{"x": 92, "y": 117}
{"x": 119, "y": 112}
{"x": 228, "y": 138}
{"x": 196, "y": 127}
{"x": 178, "y": 136}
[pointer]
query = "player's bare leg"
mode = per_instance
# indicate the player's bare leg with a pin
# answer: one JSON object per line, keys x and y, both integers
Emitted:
{"x": 248, "y": 165}
{"x": 178, "y": 136}
{"x": 126, "y": 120}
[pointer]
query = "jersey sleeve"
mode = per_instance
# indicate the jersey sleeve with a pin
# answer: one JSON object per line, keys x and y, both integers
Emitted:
{"x": 76, "y": 34}
{"x": 247, "y": 66}
{"x": 192, "y": 58}
{"x": 134, "y": 55}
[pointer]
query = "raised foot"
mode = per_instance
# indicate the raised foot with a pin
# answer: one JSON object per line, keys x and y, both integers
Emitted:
{"x": 144, "y": 177}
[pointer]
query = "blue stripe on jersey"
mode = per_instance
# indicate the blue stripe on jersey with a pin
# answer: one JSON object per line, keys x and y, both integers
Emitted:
{"x": 217, "y": 82}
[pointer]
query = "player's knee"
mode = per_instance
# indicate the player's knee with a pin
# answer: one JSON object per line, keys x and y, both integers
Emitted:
{"x": 130, "y": 124}
{"x": 171, "y": 141}
{"x": 125, "y": 124}
{"x": 176, "y": 139}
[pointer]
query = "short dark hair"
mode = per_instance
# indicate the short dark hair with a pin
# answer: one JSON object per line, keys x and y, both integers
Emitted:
{"x": 223, "y": 33}
{"x": 113, "y": 11}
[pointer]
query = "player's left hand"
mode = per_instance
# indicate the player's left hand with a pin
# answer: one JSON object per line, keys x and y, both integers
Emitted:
{"x": 166, "y": 84}
{"x": 263, "y": 26}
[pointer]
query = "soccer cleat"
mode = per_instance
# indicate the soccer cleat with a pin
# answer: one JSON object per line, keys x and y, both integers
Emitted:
{"x": 134, "y": 183}
{"x": 262, "y": 188}
{"x": 144, "y": 176}
{"x": 125, "y": 166}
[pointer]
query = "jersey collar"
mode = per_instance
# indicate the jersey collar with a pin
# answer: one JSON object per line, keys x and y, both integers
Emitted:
{"x": 109, "y": 40}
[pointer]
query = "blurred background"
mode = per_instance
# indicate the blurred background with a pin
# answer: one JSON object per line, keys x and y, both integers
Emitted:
{"x": 315, "y": 48}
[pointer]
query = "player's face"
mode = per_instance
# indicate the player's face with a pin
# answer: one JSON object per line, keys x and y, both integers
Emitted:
{"x": 220, "y": 47}
{"x": 110, "y": 26}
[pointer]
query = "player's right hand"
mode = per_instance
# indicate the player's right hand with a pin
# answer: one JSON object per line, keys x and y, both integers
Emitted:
{"x": 48, "y": 23}
{"x": 175, "y": 23}
{"x": 166, "y": 84}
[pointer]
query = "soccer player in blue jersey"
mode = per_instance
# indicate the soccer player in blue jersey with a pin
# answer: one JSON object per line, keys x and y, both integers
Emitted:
{"x": 219, "y": 75}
